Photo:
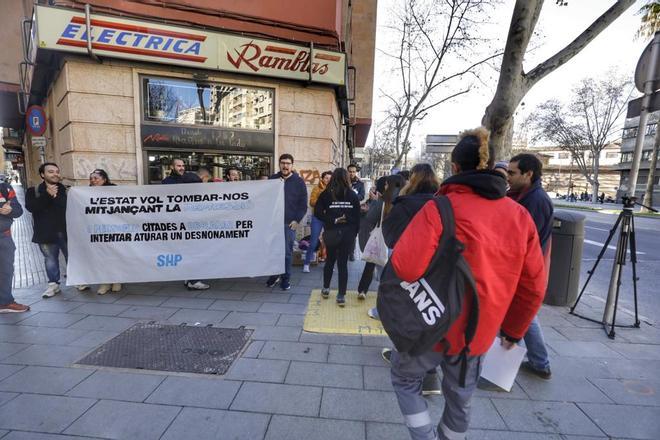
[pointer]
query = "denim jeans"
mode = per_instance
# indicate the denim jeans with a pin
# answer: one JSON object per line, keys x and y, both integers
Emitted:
{"x": 7, "y": 249}
{"x": 317, "y": 227}
{"x": 537, "y": 354}
{"x": 51, "y": 253}
{"x": 289, "y": 238}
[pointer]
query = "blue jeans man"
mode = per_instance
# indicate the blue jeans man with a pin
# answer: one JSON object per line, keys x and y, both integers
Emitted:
{"x": 317, "y": 227}
{"x": 51, "y": 253}
{"x": 283, "y": 279}
{"x": 537, "y": 354}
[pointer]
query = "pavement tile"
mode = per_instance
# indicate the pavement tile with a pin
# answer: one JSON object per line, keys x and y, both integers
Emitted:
{"x": 13, "y": 318}
{"x": 7, "y": 349}
{"x": 377, "y": 341}
{"x": 278, "y": 399}
{"x": 625, "y": 421}
{"x": 208, "y": 424}
{"x": 52, "y": 319}
{"x": 377, "y": 378}
{"x": 288, "y": 309}
{"x": 44, "y": 380}
{"x": 37, "y": 335}
{"x": 562, "y": 389}
{"x": 124, "y": 420}
{"x": 108, "y": 323}
{"x": 117, "y": 386}
{"x": 94, "y": 338}
{"x": 235, "y": 306}
{"x": 6, "y": 397}
{"x": 237, "y": 319}
{"x": 271, "y": 333}
{"x": 483, "y": 434}
{"x": 631, "y": 391}
{"x": 325, "y": 338}
{"x": 646, "y": 334}
{"x": 374, "y": 406}
{"x": 584, "y": 334}
{"x": 605, "y": 368}
{"x": 142, "y": 300}
{"x": 299, "y": 299}
{"x": 192, "y": 316}
{"x": 47, "y": 355}
{"x": 553, "y": 417}
{"x": 90, "y": 297}
{"x": 101, "y": 309}
{"x": 516, "y": 393}
{"x": 267, "y": 297}
{"x": 583, "y": 349}
{"x": 223, "y": 295}
{"x": 253, "y": 350}
{"x": 35, "y": 412}
{"x": 325, "y": 375}
{"x": 20, "y": 435}
{"x": 483, "y": 415}
{"x": 258, "y": 370}
{"x": 291, "y": 320}
{"x": 148, "y": 312}
{"x": 195, "y": 391}
{"x": 8, "y": 370}
{"x": 188, "y": 303}
{"x": 357, "y": 355}
{"x": 304, "y": 428}
{"x": 638, "y": 351}
{"x": 389, "y": 431}
{"x": 53, "y": 305}
{"x": 172, "y": 290}
{"x": 295, "y": 351}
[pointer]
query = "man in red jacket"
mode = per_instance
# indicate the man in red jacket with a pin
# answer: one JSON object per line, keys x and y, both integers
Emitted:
{"x": 503, "y": 251}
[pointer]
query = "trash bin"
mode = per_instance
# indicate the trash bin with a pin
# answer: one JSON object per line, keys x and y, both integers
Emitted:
{"x": 567, "y": 241}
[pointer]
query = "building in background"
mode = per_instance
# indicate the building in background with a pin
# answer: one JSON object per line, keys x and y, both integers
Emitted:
{"x": 629, "y": 137}
{"x": 217, "y": 84}
{"x": 436, "y": 151}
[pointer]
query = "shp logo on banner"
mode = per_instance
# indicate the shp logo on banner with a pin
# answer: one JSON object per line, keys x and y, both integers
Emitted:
{"x": 175, "y": 232}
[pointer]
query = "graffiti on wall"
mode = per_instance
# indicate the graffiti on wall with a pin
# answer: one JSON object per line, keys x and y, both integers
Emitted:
{"x": 311, "y": 177}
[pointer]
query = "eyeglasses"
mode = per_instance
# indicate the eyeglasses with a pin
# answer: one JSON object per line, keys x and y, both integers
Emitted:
{"x": 286, "y": 163}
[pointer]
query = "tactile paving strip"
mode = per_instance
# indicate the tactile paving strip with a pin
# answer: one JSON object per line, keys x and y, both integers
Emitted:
{"x": 324, "y": 316}
{"x": 172, "y": 348}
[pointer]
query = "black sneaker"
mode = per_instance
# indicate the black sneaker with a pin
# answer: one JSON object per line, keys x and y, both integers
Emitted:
{"x": 386, "y": 354}
{"x": 431, "y": 385}
{"x": 272, "y": 281}
{"x": 543, "y": 374}
{"x": 325, "y": 293}
{"x": 341, "y": 300}
{"x": 285, "y": 285}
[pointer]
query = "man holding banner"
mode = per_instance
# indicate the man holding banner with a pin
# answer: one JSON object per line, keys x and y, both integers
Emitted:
{"x": 295, "y": 208}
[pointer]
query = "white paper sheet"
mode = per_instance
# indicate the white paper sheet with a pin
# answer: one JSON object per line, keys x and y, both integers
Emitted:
{"x": 500, "y": 366}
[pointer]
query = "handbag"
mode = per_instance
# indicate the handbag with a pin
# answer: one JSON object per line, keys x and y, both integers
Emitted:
{"x": 375, "y": 251}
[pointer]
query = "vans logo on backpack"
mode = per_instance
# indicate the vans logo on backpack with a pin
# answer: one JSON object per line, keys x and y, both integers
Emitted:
{"x": 426, "y": 300}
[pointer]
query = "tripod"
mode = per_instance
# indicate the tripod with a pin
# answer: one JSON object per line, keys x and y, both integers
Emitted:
{"x": 626, "y": 242}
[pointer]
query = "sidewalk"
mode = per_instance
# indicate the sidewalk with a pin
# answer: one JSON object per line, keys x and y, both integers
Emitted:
{"x": 289, "y": 384}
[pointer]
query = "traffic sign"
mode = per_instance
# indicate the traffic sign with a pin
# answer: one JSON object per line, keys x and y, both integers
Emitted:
{"x": 35, "y": 120}
{"x": 39, "y": 141}
{"x": 642, "y": 70}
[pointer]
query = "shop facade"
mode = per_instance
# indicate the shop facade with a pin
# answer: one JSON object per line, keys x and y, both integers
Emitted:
{"x": 143, "y": 93}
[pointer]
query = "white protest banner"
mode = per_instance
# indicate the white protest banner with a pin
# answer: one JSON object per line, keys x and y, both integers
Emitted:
{"x": 121, "y": 234}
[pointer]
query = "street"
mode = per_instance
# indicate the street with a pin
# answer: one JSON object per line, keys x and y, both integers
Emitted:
{"x": 647, "y": 230}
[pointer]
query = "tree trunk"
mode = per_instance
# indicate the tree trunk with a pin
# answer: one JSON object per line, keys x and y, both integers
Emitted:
{"x": 648, "y": 194}
{"x": 595, "y": 186}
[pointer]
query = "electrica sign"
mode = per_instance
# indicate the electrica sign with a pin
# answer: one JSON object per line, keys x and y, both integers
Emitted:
{"x": 35, "y": 120}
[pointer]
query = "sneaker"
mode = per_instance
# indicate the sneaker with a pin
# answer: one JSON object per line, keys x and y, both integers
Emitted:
{"x": 362, "y": 295}
{"x": 103, "y": 289}
{"x": 14, "y": 307}
{"x": 51, "y": 291}
{"x": 285, "y": 285}
{"x": 431, "y": 385}
{"x": 325, "y": 293}
{"x": 386, "y": 354}
{"x": 341, "y": 300}
{"x": 543, "y": 374}
{"x": 197, "y": 285}
{"x": 116, "y": 287}
{"x": 373, "y": 313}
{"x": 272, "y": 281}
{"x": 82, "y": 287}
{"x": 306, "y": 268}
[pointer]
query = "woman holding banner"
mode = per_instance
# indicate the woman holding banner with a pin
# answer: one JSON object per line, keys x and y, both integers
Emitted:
{"x": 339, "y": 209}
{"x": 99, "y": 177}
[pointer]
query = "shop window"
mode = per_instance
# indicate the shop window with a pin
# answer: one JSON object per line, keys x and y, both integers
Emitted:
{"x": 562, "y": 155}
{"x": 186, "y": 102}
{"x": 611, "y": 155}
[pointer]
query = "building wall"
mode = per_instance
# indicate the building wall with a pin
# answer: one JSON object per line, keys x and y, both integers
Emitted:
{"x": 94, "y": 116}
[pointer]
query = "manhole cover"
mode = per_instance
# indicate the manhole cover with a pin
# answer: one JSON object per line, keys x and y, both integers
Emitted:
{"x": 149, "y": 346}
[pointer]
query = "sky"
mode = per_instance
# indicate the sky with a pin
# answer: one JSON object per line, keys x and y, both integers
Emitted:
{"x": 615, "y": 47}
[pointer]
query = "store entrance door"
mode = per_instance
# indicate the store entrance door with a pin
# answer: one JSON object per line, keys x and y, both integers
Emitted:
{"x": 250, "y": 166}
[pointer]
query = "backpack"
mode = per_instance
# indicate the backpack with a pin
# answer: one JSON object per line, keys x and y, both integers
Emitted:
{"x": 418, "y": 315}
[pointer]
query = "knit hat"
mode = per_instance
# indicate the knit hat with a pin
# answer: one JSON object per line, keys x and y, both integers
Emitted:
{"x": 501, "y": 164}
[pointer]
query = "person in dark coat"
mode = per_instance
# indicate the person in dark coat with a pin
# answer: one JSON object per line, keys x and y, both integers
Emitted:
{"x": 338, "y": 207}
{"x": 295, "y": 208}
{"x": 10, "y": 209}
{"x": 47, "y": 203}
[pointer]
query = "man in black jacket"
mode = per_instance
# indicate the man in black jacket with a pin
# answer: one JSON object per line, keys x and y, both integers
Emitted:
{"x": 9, "y": 210}
{"x": 47, "y": 203}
